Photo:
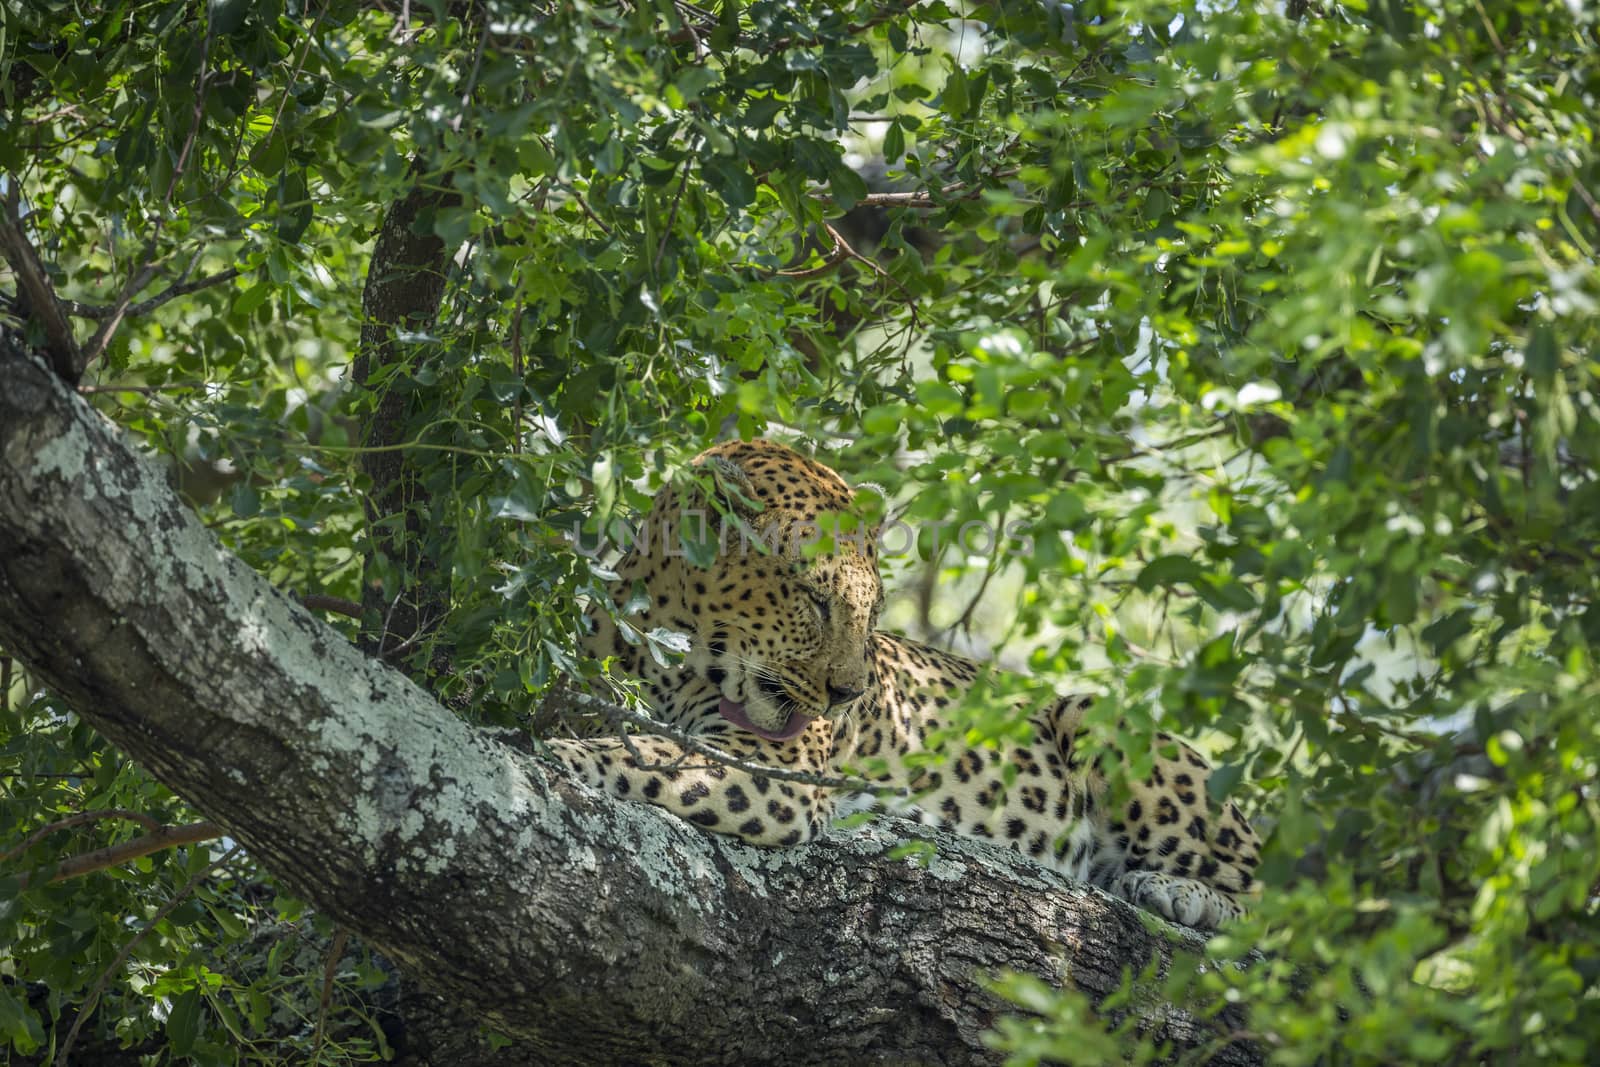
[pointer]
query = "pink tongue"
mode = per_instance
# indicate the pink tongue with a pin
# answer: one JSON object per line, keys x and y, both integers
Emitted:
{"x": 735, "y": 714}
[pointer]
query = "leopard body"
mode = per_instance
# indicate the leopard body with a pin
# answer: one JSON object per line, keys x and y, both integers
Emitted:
{"x": 787, "y": 669}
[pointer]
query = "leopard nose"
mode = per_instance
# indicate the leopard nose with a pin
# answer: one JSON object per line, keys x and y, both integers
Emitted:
{"x": 838, "y": 694}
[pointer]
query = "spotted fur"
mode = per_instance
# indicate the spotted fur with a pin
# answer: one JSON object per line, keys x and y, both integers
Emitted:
{"x": 787, "y": 669}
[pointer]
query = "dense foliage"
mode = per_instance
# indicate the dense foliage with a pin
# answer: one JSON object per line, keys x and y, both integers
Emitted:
{"x": 1272, "y": 333}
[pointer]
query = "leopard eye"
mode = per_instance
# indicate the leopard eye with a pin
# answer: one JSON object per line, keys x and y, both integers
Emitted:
{"x": 820, "y": 602}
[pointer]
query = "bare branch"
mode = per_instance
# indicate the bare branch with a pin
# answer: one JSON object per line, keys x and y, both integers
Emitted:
{"x": 80, "y": 819}
{"x": 43, "y": 306}
{"x": 113, "y": 855}
{"x": 333, "y": 604}
{"x": 842, "y": 251}
{"x": 144, "y": 307}
{"x": 330, "y": 967}
{"x": 925, "y": 198}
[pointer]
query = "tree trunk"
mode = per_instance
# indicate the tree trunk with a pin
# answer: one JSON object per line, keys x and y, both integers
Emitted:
{"x": 591, "y": 930}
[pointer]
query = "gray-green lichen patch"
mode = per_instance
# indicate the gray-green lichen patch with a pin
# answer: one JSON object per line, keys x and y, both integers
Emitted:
{"x": 675, "y": 860}
{"x": 62, "y": 457}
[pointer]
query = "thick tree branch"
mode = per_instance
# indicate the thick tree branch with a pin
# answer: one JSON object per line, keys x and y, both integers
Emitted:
{"x": 404, "y": 287}
{"x": 592, "y": 930}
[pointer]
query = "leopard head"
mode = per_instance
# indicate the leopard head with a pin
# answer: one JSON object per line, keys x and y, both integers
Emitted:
{"x": 778, "y": 627}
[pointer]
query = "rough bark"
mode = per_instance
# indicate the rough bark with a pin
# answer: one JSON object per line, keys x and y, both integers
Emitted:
{"x": 592, "y": 930}
{"x": 404, "y": 287}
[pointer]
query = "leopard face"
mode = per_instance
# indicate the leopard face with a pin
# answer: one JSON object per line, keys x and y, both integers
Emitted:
{"x": 779, "y": 629}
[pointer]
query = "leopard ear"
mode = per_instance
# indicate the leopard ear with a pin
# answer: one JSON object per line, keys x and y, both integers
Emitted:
{"x": 729, "y": 483}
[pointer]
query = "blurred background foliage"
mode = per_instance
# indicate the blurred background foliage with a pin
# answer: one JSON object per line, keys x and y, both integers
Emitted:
{"x": 1265, "y": 335}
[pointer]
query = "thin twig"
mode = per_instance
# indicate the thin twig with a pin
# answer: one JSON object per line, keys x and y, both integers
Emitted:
{"x": 330, "y": 967}
{"x": 388, "y": 618}
{"x": 672, "y": 216}
{"x": 589, "y": 211}
{"x": 872, "y": 264}
{"x": 926, "y": 198}
{"x": 283, "y": 99}
{"x": 839, "y": 254}
{"x": 425, "y": 628}
{"x": 144, "y": 307}
{"x": 115, "y": 965}
{"x": 78, "y": 819}
{"x": 576, "y": 195}
{"x": 516, "y": 371}
{"x": 91, "y": 390}
{"x": 964, "y": 621}
{"x": 472, "y": 79}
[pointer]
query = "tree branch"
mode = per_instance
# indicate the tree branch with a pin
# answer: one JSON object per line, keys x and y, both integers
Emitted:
{"x": 79, "y": 819}
{"x": 590, "y": 929}
{"x": 164, "y": 837}
{"x": 333, "y": 604}
{"x": 924, "y": 198}
{"x": 144, "y": 307}
{"x": 404, "y": 288}
{"x": 42, "y": 305}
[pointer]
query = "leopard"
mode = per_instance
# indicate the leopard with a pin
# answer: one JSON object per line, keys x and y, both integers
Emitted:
{"x": 787, "y": 671}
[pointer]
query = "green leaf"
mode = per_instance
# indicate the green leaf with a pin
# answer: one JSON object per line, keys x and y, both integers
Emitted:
{"x": 1223, "y": 780}
{"x": 848, "y": 187}
{"x": 727, "y": 31}
{"x": 250, "y": 299}
{"x": 954, "y": 99}
{"x": 1169, "y": 570}
{"x": 732, "y": 180}
{"x": 183, "y": 1022}
{"x": 18, "y": 1023}
{"x": 894, "y": 142}
{"x": 295, "y": 209}
{"x": 245, "y": 500}
{"x": 227, "y": 16}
